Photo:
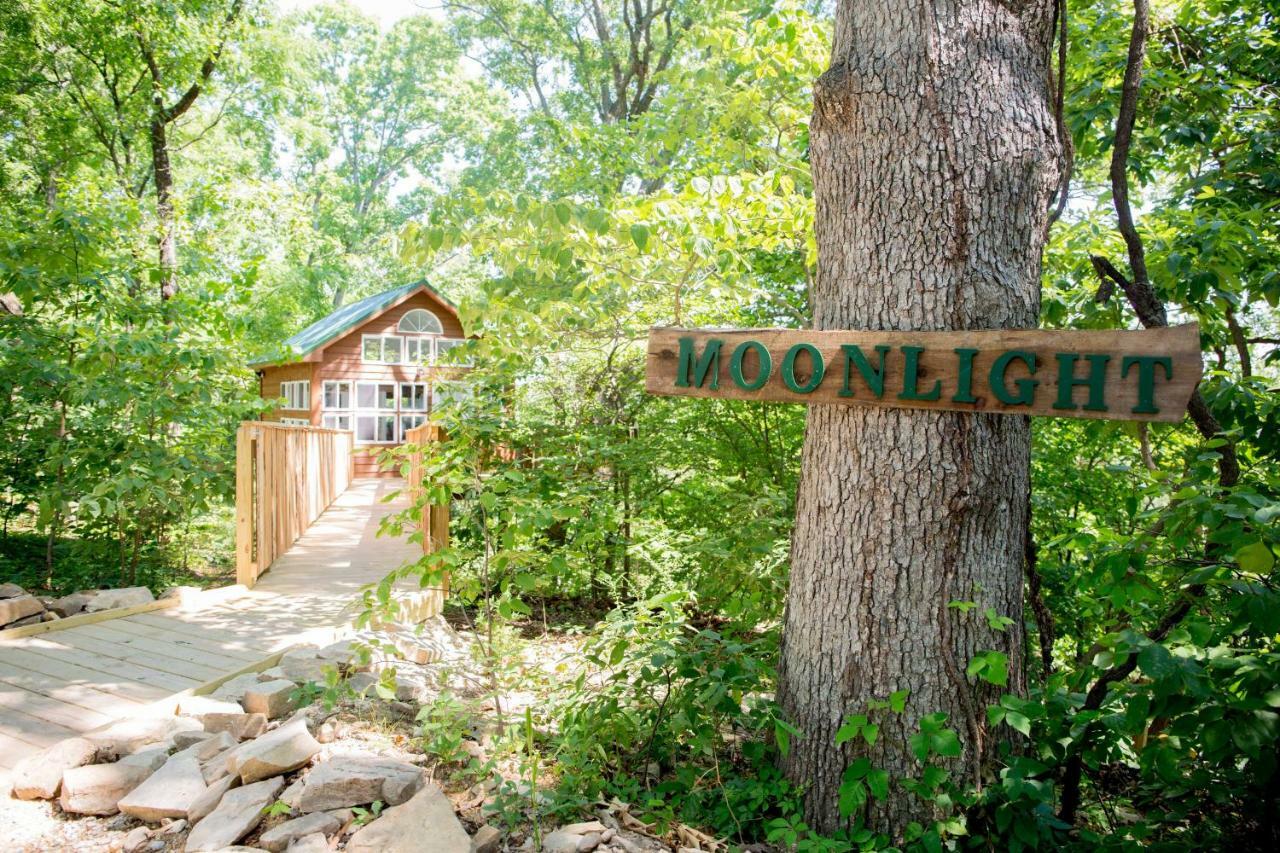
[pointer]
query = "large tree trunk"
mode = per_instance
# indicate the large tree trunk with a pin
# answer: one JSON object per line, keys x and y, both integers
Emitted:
{"x": 934, "y": 158}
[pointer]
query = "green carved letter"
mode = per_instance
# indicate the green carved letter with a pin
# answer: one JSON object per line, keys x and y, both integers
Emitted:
{"x": 964, "y": 377}
{"x": 693, "y": 371}
{"x": 735, "y": 365}
{"x": 1095, "y": 381}
{"x": 1026, "y": 387}
{"x": 1147, "y": 379}
{"x": 789, "y": 368}
{"x": 854, "y": 356}
{"x": 911, "y": 377}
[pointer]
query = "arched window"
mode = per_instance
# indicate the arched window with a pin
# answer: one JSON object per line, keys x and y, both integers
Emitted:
{"x": 420, "y": 321}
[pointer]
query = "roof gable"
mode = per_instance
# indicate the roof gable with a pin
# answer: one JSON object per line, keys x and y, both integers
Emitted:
{"x": 346, "y": 318}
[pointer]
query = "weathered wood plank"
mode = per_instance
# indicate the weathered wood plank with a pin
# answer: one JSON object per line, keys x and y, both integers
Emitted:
{"x": 35, "y": 730}
{"x": 241, "y": 643}
{"x": 181, "y": 634}
{"x": 41, "y": 673}
{"x": 69, "y": 715}
{"x": 116, "y": 661}
{"x": 1145, "y": 375}
{"x": 194, "y": 662}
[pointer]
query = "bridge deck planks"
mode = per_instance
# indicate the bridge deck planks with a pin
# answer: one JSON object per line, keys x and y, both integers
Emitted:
{"x": 62, "y": 682}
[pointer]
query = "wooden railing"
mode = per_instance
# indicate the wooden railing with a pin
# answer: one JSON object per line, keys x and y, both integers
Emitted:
{"x": 285, "y": 477}
{"x": 434, "y": 522}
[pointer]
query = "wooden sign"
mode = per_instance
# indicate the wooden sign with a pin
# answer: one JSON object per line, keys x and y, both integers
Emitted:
{"x": 1142, "y": 376}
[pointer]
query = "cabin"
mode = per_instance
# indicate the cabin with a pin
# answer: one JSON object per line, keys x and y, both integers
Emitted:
{"x": 376, "y": 367}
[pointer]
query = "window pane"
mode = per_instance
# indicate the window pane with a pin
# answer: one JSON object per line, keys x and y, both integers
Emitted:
{"x": 366, "y": 429}
{"x": 420, "y": 320}
{"x": 391, "y": 350}
{"x": 387, "y": 396}
{"x": 372, "y": 350}
{"x": 366, "y": 395}
{"x": 444, "y": 345}
{"x": 386, "y": 428}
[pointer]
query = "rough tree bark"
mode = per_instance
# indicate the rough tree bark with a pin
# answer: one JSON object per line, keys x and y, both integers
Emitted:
{"x": 935, "y": 158}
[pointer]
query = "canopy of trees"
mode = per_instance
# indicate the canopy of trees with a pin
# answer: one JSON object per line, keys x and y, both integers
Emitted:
{"x": 182, "y": 185}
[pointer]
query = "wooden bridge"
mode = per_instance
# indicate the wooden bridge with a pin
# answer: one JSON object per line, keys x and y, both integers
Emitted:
{"x": 300, "y": 515}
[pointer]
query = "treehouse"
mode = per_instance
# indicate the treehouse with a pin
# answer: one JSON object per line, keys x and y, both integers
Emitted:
{"x": 377, "y": 367}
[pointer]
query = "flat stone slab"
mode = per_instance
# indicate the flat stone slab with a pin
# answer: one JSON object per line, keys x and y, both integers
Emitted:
{"x": 40, "y": 776}
{"x": 110, "y": 599}
{"x": 281, "y": 837}
{"x": 287, "y": 748}
{"x": 239, "y": 811}
{"x": 169, "y": 792}
{"x": 344, "y": 781}
{"x": 425, "y": 824}
{"x": 272, "y": 698}
{"x": 97, "y": 788}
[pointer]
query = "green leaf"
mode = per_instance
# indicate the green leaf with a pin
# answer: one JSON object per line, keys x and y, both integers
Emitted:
{"x": 640, "y": 236}
{"x": 878, "y": 782}
{"x": 1256, "y": 558}
{"x": 898, "y": 700}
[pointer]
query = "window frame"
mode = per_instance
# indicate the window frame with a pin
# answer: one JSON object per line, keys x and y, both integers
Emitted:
{"x": 438, "y": 330}
{"x": 332, "y": 420}
{"x": 324, "y": 395}
{"x": 382, "y": 349}
{"x": 296, "y": 391}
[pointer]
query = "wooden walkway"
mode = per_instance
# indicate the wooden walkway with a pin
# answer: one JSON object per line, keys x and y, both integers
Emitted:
{"x": 56, "y": 684}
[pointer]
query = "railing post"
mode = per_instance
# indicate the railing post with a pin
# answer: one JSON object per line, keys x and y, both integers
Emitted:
{"x": 246, "y": 571}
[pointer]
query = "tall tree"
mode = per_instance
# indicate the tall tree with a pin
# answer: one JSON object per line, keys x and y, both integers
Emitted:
{"x": 371, "y": 110}
{"x": 934, "y": 156}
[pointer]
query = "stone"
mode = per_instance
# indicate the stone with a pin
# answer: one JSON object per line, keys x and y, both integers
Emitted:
{"x": 303, "y": 665}
{"x": 182, "y": 740}
{"x": 588, "y": 842}
{"x": 272, "y": 674}
{"x": 11, "y": 590}
{"x": 152, "y": 758}
{"x": 326, "y": 733}
{"x": 34, "y": 619}
{"x": 292, "y": 795}
{"x": 39, "y": 776}
{"x": 343, "y": 816}
{"x": 280, "y": 837}
{"x": 344, "y": 781}
{"x": 211, "y": 747}
{"x": 70, "y": 605}
{"x": 583, "y": 828}
{"x": 287, "y": 748}
{"x": 136, "y": 840}
{"x": 132, "y": 734}
{"x": 110, "y": 599}
{"x": 173, "y": 827}
{"x": 415, "y": 650}
{"x": 202, "y": 805}
{"x": 240, "y": 725}
{"x": 273, "y": 698}
{"x": 49, "y": 616}
{"x": 337, "y": 654}
{"x": 239, "y": 811}
{"x": 486, "y": 840}
{"x": 233, "y": 689}
{"x": 560, "y": 842}
{"x": 19, "y": 608}
{"x": 313, "y": 843}
{"x": 97, "y": 788}
{"x": 427, "y": 821}
{"x": 198, "y": 706}
{"x": 169, "y": 792}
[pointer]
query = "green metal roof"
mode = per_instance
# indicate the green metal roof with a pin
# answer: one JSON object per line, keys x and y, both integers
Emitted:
{"x": 342, "y": 321}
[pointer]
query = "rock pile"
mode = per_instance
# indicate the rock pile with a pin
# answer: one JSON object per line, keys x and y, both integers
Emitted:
{"x": 222, "y": 762}
{"x": 18, "y": 607}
